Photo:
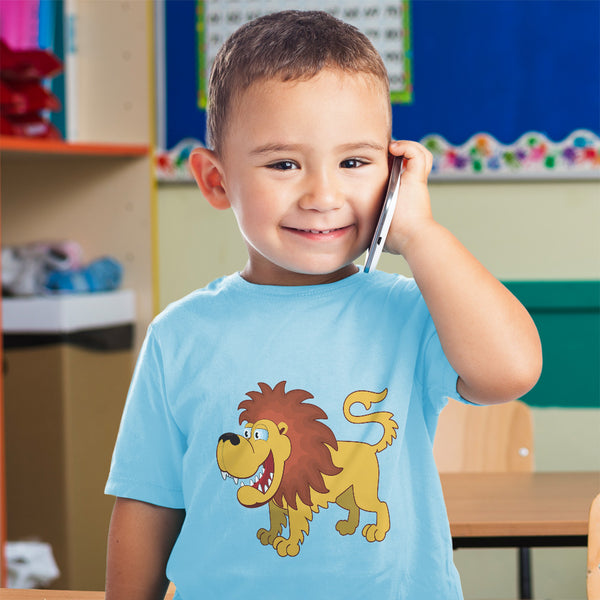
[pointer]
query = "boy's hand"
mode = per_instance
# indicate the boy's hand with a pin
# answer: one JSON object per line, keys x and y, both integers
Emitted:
{"x": 486, "y": 334}
{"x": 413, "y": 209}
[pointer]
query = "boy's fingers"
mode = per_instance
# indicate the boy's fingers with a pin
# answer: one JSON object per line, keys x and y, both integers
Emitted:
{"x": 418, "y": 159}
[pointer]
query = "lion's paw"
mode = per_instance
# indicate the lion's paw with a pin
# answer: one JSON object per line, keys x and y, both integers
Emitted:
{"x": 286, "y": 547}
{"x": 266, "y": 537}
{"x": 373, "y": 533}
{"x": 345, "y": 528}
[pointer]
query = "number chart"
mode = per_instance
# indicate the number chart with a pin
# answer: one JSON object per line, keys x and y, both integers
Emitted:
{"x": 386, "y": 24}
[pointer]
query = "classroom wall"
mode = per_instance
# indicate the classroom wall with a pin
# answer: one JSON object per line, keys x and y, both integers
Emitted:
{"x": 520, "y": 231}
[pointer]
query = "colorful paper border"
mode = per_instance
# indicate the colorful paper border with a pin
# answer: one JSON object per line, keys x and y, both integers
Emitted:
{"x": 533, "y": 155}
{"x": 482, "y": 157}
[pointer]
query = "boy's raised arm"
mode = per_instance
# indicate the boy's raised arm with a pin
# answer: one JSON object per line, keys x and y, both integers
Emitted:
{"x": 140, "y": 540}
{"x": 486, "y": 333}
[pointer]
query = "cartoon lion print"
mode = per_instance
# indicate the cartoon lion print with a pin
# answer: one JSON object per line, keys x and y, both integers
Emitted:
{"x": 288, "y": 458}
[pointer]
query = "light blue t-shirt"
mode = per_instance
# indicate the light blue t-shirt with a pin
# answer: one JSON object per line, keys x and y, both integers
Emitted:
{"x": 295, "y": 426}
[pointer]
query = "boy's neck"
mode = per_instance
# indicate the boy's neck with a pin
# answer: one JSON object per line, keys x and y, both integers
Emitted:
{"x": 290, "y": 278}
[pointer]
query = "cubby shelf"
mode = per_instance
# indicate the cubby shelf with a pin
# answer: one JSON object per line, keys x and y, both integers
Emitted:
{"x": 14, "y": 145}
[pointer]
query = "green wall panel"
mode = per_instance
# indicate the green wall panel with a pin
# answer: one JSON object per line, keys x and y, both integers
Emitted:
{"x": 567, "y": 315}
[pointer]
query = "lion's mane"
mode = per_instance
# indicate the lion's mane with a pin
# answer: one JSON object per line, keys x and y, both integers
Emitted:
{"x": 310, "y": 439}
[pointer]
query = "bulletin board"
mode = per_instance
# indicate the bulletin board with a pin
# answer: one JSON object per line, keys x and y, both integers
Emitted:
{"x": 385, "y": 22}
{"x": 494, "y": 88}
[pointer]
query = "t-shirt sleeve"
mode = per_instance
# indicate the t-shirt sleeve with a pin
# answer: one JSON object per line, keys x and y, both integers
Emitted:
{"x": 148, "y": 455}
{"x": 435, "y": 373}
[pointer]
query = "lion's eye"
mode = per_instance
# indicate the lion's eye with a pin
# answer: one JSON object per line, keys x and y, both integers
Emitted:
{"x": 261, "y": 434}
{"x": 247, "y": 433}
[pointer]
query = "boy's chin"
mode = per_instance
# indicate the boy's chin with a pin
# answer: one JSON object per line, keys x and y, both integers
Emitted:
{"x": 297, "y": 276}
{"x": 318, "y": 276}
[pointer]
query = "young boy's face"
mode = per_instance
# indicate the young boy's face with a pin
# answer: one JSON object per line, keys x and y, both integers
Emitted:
{"x": 304, "y": 167}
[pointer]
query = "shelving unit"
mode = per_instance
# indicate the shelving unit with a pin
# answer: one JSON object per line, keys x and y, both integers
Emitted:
{"x": 26, "y": 146}
{"x": 100, "y": 197}
{"x": 97, "y": 190}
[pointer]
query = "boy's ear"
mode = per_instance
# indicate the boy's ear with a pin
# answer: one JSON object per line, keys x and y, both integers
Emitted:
{"x": 206, "y": 168}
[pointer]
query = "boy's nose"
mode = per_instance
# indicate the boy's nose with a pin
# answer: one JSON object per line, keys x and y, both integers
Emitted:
{"x": 321, "y": 193}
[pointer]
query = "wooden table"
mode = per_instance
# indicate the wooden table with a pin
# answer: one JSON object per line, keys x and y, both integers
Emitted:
{"x": 519, "y": 509}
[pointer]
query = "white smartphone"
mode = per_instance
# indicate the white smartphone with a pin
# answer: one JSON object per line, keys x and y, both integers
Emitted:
{"x": 387, "y": 213}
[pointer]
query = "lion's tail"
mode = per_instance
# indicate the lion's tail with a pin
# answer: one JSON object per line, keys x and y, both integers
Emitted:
{"x": 383, "y": 418}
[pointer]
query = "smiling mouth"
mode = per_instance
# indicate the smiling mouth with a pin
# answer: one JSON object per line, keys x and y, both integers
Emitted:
{"x": 261, "y": 480}
{"x": 318, "y": 231}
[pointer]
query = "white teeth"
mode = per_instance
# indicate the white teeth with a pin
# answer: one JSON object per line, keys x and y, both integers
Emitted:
{"x": 225, "y": 475}
{"x": 253, "y": 481}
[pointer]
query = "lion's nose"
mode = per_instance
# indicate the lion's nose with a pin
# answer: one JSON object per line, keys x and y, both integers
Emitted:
{"x": 230, "y": 437}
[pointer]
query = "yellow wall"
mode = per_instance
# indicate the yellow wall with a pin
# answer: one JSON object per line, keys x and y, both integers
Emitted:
{"x": 518, "y": 230}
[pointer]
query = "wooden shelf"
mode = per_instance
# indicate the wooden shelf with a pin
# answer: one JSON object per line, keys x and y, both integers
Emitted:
{"x": 26, "y": 146}
{"x": 98, "y": 191}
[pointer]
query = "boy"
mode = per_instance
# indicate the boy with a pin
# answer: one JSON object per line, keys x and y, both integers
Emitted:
{"x": 315, "y": 496}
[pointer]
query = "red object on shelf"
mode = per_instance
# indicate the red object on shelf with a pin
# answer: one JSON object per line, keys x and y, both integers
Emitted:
{"x": 31, "y": 125}
{"x": 11, "y": 100}
{"x": 28, "y": 64}
{"x": 22, "y": 97}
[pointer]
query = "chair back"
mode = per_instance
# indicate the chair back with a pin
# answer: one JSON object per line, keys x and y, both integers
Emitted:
{"x": 495, "y": 438}
{"x": 593, "y": 558}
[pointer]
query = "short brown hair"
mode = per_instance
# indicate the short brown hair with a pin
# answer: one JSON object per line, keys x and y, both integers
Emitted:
{"x": 289, "y": 45}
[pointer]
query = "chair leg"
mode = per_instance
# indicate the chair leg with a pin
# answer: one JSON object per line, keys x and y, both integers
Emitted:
{"x": 525, "y": 584}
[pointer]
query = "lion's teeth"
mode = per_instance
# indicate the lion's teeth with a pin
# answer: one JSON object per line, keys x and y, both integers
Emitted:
{"x": 260, "y": 489}
{"x": 223, "y": 475}
{"x": 235, "y": 480}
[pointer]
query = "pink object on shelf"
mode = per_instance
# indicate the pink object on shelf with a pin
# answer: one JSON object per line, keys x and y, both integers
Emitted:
{"x": 19, "y": 26}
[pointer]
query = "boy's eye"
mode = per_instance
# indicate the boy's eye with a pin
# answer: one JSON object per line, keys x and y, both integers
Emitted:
{"x": 283, "y": 165}
{"x": 352, "y": 163}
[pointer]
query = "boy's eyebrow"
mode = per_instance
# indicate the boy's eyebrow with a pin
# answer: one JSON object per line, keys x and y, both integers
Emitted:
{"x": 361, "y": 146}
{"x": 267, "y": 148}
{"x": 351, "y": 146}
